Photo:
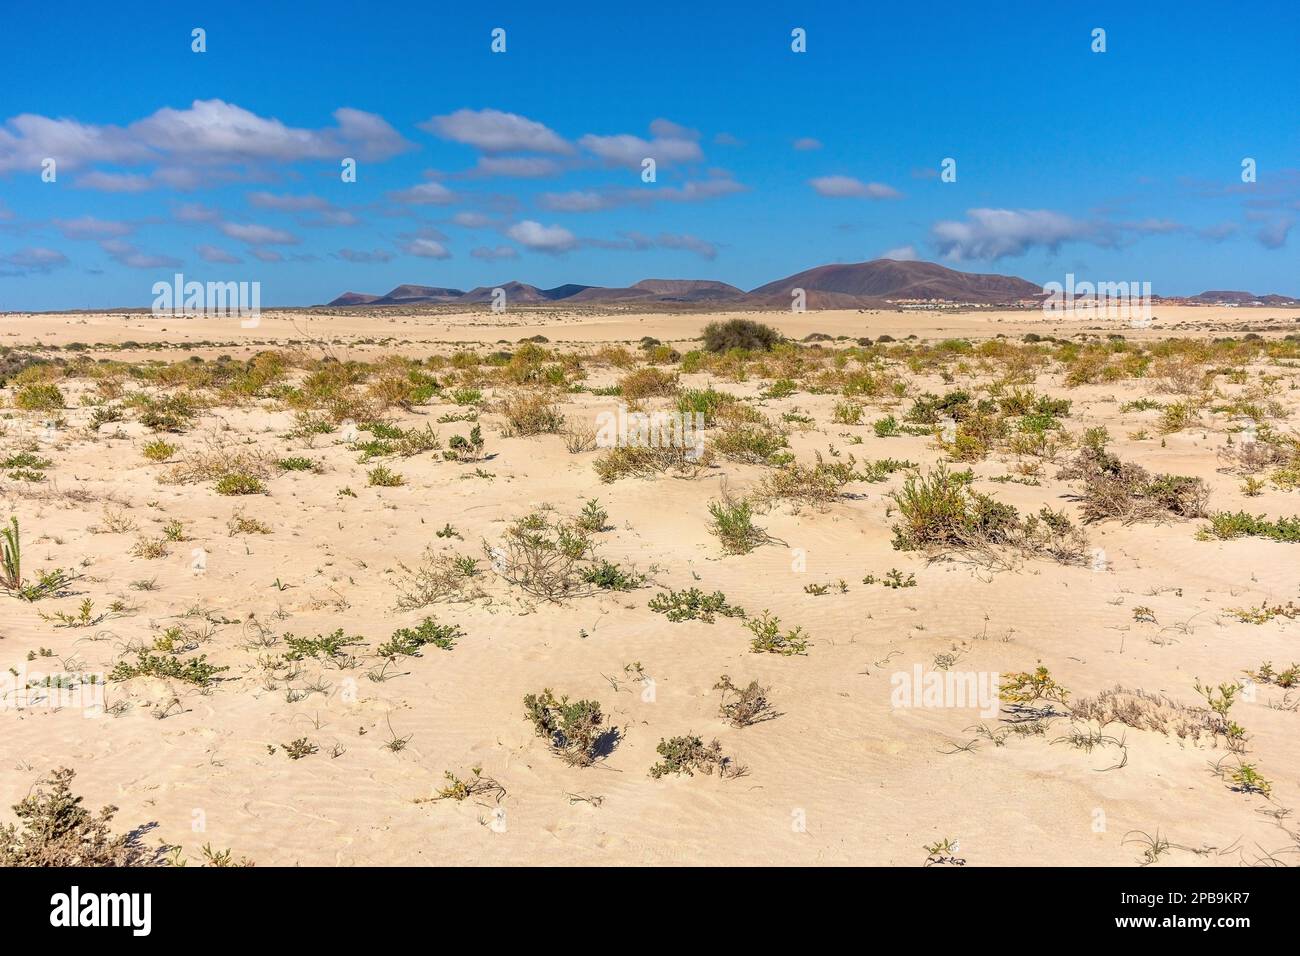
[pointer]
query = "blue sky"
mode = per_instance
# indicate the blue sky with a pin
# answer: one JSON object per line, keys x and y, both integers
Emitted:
{"x": 475, "y": 168}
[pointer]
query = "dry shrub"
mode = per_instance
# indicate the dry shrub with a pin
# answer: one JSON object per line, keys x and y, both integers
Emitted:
{"x": 636, "y": 461}
{"x": 216, "y": 460}
{"x": 1181, "y": 374}
{"x": 579, "y": 438}
{"x": 1142, "y": 710}
{"x": 437, "y": 578}
{"x": 58, "y": 831}
{"x": 647, "y": 383}
{"x": 817, "y": 485}
{"x": 1128, "y": 492}
{"x": 547, "y": 557}
{"x": 530, "y": 414}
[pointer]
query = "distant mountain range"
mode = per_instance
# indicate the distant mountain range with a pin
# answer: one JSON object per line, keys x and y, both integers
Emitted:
{"x": 879, "y": 283}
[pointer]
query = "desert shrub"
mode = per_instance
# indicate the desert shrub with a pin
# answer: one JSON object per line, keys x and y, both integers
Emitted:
{"x": 686, "y": 755}
{"x": 930, "y": 409}
{"x": 816, "y": 485}
{"x": 740, "y": 334}
{"x": 703, "y": 401}
{"x": 941, "y": 513}
{"x": 1126, "y": 491}
{"x": 593, "y": 517}
{"x": 170, "y": 413}
{"x": 733, "y": 523}
{"x": 847, "y": 413}
{"x": 296, "y": 463}
{"x": 579, "y": 438}
{"x": 547, "y": 557}
{"x": 465, "y": 448}
{"x": 574, "y": 730}
{"x": 693, "y": 605}
{"x": 608, "y": 576}
{"x": 240, "y": 483}
{"x": 1029, "y": 690}
{"x": 768, "y": 638}
{"x": 39, "y": 397}
{"x": 320, "y": 647}
{"x": 194, "y": 670}
{"x": 743, "y": 706}
{"x": 1226, "y": 525}
{"x": 437, "y": 578}
{"x": 647, "y": 383}
{"x": 1142, "y": 710}
{"x": 639, "y": 461}
{"x": 407, "y": 641}
{"x": 158, "y": 450}
{"x": 530, "y": 414}
{"x": 750, "y": 442}
{"x": 56, "y": 830}
{"x": 382, "y": 477}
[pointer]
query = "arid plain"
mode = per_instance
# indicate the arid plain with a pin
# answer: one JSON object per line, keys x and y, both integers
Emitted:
{"x": 317, "y": 566}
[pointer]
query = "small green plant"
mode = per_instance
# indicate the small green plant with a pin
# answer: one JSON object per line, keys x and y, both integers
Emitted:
{"x": 693, "y": 605}
{"x": 47, "y": 584}
{"x": 574, "y": 730}
{"x": 943, "y": 853}
{"x": 768, "y": 638}
{"x": 382, "y": 477}
{"x": 195, "y": 670}
{"x": 458, "y": 789}
{"x": 159, "y": 450}
{"x": 685, "y": 755}
{"x": 297, "y": 749}
{"x": 593, "y": 518}
{"x": 239, "y": 483}
{"x": 1225, "y": 526}
{"x": 320, "y": 647}
{"x": 407, "y": 641}
{"x": 296, "y": 463}
{"x": 733, "y": 524}
{"x": 1026, "y": 689}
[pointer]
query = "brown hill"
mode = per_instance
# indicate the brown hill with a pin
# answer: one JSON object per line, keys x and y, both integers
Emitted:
{"x": 890, "y": 279}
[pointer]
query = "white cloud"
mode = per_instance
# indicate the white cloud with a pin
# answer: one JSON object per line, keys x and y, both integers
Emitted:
{"x": 284, "y": 202}
{"x": 216, "y": 255}
{"x": 901, "y": 254}
{"x": 995, "y": 233}
{"x": 847, "y": 187}
{"x": 517, "y": 167}
{"x": 189, "y": 143}
{"x": 426, "y": 249}
{"x": 625, "y": 149}
{"x": 257, "y": 235}
{"x": 31, "y": 260}
{"x": 496, "y": 132}
{"x": 541, "y": 238}
{"x": 127, "y": 254}
{"x": 806, "y": 143}
{"x": 88, "y": 227}
{"x": 425, "y": 194}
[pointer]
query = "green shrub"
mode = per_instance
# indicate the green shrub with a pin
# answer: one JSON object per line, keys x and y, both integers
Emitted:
{"x": 740, "y": 334}
{"x": 693, "y": 605}
{"x": 574, "y": 730}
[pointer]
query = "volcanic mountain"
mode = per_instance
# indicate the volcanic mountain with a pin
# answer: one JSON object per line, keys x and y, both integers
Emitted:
{"x": 891, "y": 279}
{"x": 839, "y": 286}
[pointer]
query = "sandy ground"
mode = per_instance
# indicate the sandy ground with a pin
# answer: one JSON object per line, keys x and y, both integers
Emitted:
{"x": 842, "y": 776}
